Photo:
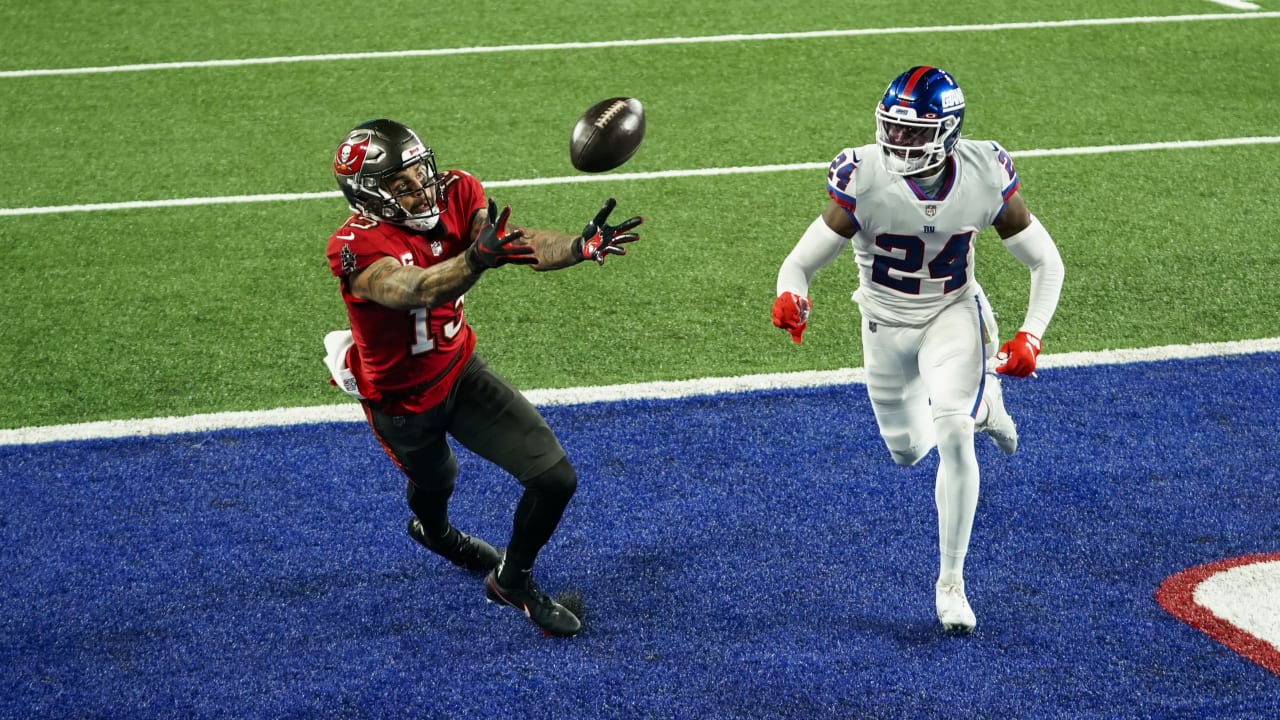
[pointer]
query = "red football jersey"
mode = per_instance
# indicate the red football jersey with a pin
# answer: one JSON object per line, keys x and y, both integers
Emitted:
{"x": 407, "y": 359}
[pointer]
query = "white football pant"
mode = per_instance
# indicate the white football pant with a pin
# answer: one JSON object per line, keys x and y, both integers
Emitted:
{"x": 925, "y": 385}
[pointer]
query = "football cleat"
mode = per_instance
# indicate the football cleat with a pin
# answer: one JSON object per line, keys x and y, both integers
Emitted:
{"x": 549, "y": 615}
{"x": 953, "y": 607}
{"x": 999, "y": 426}
{"x": 459, "y": 548}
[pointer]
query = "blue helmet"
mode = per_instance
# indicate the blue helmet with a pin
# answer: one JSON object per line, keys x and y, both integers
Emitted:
{"x": 918, "y": 120}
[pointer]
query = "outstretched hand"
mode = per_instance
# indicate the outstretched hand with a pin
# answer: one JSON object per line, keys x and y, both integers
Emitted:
{"x": 495, "y": 246}
{"x": 599, "y": 239}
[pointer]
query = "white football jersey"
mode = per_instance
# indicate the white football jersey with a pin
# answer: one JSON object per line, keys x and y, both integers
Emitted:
{"x": 915, "y": 252}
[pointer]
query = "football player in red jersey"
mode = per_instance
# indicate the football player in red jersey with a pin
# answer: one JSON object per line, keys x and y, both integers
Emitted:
{"x": 416, "y": 241}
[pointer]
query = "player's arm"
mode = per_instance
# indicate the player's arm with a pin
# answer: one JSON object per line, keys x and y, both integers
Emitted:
{"x": 553, "y": 249}
{"x": 387, "y": 282}
{"x": 598, "y": 240}
{"x": 821, "y": 243}
{"x": 1029, "y": 242}
{"x": 824, "y": 240}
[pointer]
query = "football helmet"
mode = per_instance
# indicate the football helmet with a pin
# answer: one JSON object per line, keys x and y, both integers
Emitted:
{"x": 918, "y": 120}
{"x": 366, "y": 161}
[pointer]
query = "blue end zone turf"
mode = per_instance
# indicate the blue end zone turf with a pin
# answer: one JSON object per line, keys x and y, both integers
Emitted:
{"x": 753, "y": 555}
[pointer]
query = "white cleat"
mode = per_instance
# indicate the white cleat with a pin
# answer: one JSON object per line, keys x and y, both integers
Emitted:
{"x": 999, "y": 425}
{"x": 953, "y": 608}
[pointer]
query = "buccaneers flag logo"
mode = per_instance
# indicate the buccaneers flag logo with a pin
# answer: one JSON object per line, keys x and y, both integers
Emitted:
{"x": 350, "y": 157}
{"x": 348, "y": 259}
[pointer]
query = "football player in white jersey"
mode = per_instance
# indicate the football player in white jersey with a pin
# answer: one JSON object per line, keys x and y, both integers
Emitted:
{"x": 912, "y": 205}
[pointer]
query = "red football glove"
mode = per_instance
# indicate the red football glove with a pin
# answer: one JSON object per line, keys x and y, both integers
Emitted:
{"x": 1019, "y": 355}
{"x": 495, "y": 246}
{"x": 791, "y": 313}
{"x": 600, "y": 240}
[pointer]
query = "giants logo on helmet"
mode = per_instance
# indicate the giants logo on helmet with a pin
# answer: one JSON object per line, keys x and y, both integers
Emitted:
{"x": 350, "y": 157}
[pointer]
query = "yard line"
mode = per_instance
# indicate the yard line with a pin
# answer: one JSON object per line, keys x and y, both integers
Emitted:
{"x": 746, "y": 37}
{"x": 663, "y": 390}
{"x": 1238, "y": 4}
{"x": 616, "y": 177}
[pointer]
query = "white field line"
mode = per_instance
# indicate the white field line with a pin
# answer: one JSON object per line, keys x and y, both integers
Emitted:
{"x": 749, "y": 37}
{"x": 618, "y": 177}
{"x": 1237, "y": 4}
{"x": 350, "y": 412}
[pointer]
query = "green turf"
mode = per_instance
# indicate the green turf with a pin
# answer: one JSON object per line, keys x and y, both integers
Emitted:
{"x": 171, "y": 311}
{"x": 69, "y": 34}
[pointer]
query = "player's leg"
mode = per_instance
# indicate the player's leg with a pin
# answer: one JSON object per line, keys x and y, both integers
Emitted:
{"x": 495, "y": 421}
{"x": 951, "y": 361}
{"x": 956, "y": 497}
{"x": 898, "y": 396}
{"x": 417, "y": 445}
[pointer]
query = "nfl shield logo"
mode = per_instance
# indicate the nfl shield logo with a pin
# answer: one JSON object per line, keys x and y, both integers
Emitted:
{"x": 436, "y": 248}
{"x": 930, "y": 210}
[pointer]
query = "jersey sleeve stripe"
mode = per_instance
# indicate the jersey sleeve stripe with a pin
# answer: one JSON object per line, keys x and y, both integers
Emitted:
{"x": 1010, "y": 189}
{"x": 846, "y": 201}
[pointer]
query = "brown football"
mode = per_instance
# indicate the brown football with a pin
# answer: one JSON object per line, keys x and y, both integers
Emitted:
{"x": 607, "y": 134}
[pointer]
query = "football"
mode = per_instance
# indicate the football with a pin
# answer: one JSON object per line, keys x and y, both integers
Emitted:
{"x": 607, "y": 134}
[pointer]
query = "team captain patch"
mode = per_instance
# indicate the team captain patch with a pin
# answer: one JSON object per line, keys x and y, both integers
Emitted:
{"x": 348, "y": 259}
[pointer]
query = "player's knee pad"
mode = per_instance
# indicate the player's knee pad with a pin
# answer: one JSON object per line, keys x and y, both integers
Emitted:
{"x": 560, "y": 480}
{"x": 904, "y": 452}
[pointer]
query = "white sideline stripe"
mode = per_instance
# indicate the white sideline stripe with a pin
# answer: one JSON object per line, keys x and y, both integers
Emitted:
{"x": 663, "y": 390}
{"x": 618, "y": 177}
{"x": 749, "y": 37}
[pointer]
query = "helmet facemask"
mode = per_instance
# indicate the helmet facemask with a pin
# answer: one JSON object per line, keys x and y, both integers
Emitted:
{"x": 913, "y": 145}
{"x": 421, "y": 186}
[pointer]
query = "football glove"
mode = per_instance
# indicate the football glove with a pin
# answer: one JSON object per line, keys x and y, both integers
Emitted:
{"x": 599, "y": 239}
{"x": 496, "y": 246}
{"x": 1019, "y": 355}
{"x": 791, "y": 313}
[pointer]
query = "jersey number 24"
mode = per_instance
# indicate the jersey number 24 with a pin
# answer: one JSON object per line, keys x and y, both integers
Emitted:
{"x": 900, "y": 270}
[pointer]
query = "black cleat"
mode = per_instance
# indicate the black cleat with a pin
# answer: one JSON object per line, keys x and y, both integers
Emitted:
{"x": 459, "y": 548}
{"x": 551, "y": 616}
